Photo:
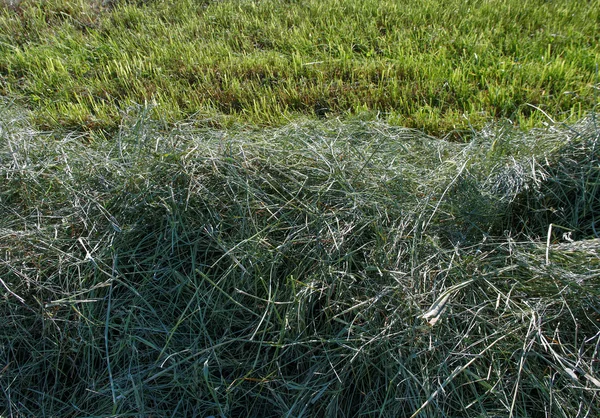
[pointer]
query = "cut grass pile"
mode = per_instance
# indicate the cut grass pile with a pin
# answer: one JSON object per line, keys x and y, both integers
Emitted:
{"x": 320, "y": 269}
{"x": 427, "y": 64}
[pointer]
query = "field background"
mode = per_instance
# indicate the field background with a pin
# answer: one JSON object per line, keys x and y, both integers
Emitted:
{"x": 436, "y": 66}
{"x": 299, "y": 208}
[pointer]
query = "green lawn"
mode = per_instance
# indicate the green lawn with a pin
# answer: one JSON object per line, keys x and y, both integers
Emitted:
{"x": 435, "y": 66}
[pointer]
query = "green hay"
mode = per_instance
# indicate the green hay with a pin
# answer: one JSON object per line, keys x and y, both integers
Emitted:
{"x": 320, "y": 269}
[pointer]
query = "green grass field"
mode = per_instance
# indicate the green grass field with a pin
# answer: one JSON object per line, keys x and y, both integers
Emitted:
{"x": 435, "y": 66}
{"x": 299, "y": 209}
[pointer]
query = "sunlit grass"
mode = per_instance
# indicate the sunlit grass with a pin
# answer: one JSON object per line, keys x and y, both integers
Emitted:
{"x": 436, "y": 66}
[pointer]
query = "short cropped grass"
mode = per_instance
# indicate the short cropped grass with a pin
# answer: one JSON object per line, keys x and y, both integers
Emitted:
{"x": 437, "y": 66}
{"x": 320, "y": 269}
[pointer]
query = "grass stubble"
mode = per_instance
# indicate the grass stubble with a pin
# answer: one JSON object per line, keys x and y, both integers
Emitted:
{"x": 320, "y": 269}
{"x": 424, "y": 64}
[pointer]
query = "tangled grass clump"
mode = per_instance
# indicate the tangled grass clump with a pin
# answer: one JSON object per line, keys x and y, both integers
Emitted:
{"x": 321, "y": 269}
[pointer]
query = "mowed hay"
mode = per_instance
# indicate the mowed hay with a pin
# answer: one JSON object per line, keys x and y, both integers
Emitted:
{"x": 321, "y": 269}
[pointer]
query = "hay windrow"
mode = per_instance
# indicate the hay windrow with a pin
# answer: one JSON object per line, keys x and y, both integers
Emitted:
{"x": 320, "y": 269}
